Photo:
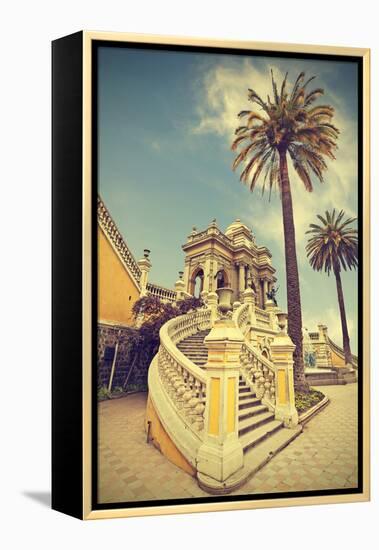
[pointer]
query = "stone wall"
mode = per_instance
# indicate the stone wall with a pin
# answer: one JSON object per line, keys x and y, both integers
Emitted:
{"x": 107, "y": 337}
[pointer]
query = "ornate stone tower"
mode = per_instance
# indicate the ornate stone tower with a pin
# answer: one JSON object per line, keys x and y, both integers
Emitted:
{"x": 215, "y": 259}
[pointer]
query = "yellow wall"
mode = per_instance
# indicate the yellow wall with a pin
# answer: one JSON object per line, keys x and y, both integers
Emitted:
{"x": 163, "y": 442}
{"x": 117, "y": 291}
{"x": 337, "y": 360}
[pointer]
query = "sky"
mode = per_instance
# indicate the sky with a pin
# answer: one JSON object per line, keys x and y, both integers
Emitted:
{"x": 166, "y": 121}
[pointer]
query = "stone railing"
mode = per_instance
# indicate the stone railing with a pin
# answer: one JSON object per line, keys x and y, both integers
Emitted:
{"x": 260, "y": 374}
{"x": 110, "y": 229}
{"x": 184, "y": 382}
{"x": 241, "y": 317}
{"x": 339, "y": 351}
{"x": 316, "y": 338}
{"x": 163, "y": 293}
{"x": 263, "y": 318}
{"x": 214, "y": 231}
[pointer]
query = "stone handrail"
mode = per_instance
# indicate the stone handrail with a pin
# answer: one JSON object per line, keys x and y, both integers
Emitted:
{"x": 263, "y": 318}
{"x": 259, "y": 373}
{"x": 184, "y": 382}
{"x": 161, "y": 292}
{"x": 339, "y": 351}
{"x": 110, "y": 229}
{"x": 241, "y": 317}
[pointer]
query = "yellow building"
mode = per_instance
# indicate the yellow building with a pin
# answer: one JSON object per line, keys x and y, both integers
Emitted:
{"x": 215, "y": 259}
{"x": 118, "y": 272}
{"x": 121, "y": 279}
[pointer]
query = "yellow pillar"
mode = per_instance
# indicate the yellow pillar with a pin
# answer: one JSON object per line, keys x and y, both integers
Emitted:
{"x": 282, "y": 349}
{"x": 221, "y": 453}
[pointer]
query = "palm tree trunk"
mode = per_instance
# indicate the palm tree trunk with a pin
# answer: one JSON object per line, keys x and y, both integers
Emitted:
{"x": 345, "y": 332}
{"x": 292, "y": 275}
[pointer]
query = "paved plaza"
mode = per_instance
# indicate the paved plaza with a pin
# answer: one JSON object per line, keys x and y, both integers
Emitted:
{"x": 324, "y": 456}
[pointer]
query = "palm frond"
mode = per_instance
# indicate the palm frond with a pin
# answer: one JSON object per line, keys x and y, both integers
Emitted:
{"x": 334, "y": 244}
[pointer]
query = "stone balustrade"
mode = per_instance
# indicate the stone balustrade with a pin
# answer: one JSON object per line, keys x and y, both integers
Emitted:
{"x": 272, "y": 381}
{"x": 109, "y": 227}
{"x": 184, "y": 382}
{"x": 263, "y": 317}
{"x": 163, "y": 293}
{"x": 185, "y": 388}
{"x": 259, "y": 374}
{"x": 241, "y": 317}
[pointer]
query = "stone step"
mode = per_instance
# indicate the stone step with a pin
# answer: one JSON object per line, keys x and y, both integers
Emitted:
{"x": 253, "y": 438}
{"x": 244, "y": 396}
{"x": 254, "y": 422}
{"x": 248, "y": 413}
{"x": 254, "y": 402}
{"x": 193, "y": 350}
{"x": 188, "y": 345}
{"x": 195, "y": 340}
{"x": 197, "y": 358}
{"x": 243, "y": 389}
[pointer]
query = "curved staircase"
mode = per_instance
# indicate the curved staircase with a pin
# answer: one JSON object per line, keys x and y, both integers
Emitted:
{"x": 255, "y": 421}
{"x": 180, "y": 390}
{"x": 194, "y": 347}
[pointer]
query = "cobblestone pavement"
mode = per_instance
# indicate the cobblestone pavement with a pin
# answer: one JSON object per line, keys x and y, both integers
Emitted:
{"x": 324, "y": 456}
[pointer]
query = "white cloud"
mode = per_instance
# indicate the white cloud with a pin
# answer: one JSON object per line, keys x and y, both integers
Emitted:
{"x": 223, "y": 94}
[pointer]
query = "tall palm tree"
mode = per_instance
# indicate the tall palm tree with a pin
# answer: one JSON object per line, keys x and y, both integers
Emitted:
{"x": 334, "y": 246}
{"x": 287, "y": 125}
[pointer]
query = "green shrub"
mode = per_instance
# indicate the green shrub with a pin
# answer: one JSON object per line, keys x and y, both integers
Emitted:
{"x": 103, "y": 393}
{"x": 304, "y": 401}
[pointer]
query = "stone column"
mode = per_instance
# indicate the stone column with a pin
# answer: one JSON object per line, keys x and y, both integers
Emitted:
{"x": 265, "y": 290}
{"x": 249, "y": 298}
{"x": 282, "y": 349}
{"x": 323, "y": 356}
{"x": 186, "y": 277}
{"x": 212, "y": 303}
{"x": 241, "y": 279}
{"x": 145, "y": 265}
{"x": 207, "y": 282}
{"x": 221, "y": 453}
{"x": 272, "y": 309}
{"x": 179, "y": 287}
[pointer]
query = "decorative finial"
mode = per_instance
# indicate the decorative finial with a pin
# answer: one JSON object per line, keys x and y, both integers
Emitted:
{"x": 181, "y": 274}
{"x": 146, "y": 252}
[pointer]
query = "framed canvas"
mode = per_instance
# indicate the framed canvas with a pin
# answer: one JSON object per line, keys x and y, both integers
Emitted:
{"x": 210, "y": 275}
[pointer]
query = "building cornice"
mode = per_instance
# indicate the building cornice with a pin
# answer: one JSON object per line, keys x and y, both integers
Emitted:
{"x": 116, "y": 240}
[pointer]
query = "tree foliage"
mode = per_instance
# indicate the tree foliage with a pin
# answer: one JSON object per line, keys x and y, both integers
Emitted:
{"x": 334, "y": 244}
{"x": 288, "y": 121}
{"x": 156, "y": 313}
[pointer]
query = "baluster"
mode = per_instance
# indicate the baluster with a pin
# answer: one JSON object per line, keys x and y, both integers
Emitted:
{"x": 272, "y": 388}
{"x": 193, "y": 403}
{"x": 187, "y": 396}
